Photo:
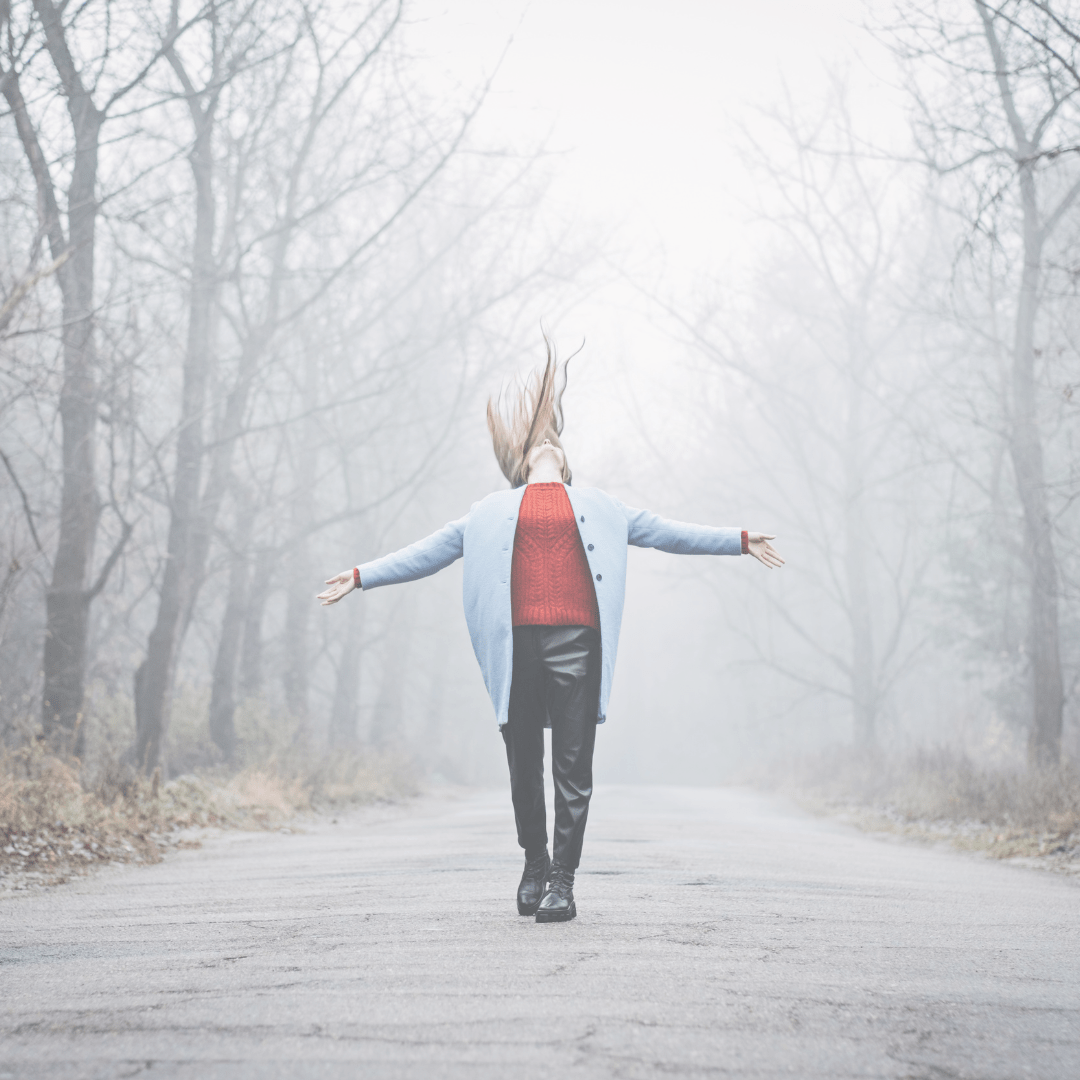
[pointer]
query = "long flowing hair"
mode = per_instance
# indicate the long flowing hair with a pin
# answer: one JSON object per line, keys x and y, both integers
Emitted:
{"x": 527, "y": 413}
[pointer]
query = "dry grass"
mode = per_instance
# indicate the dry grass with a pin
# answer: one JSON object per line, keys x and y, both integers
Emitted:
{"x": 53, "y": 824}
{"x": 942, "y": 794}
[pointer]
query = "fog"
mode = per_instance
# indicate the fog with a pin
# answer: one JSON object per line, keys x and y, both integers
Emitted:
{"x": 263, "y": 267}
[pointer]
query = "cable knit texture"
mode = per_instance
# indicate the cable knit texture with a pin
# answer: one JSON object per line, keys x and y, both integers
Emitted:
{"x": 550, "y": 582}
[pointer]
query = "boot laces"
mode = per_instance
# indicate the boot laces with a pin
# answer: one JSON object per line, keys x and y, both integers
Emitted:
{"x": 561, "y": 881}
{"x": 533, "y": 866}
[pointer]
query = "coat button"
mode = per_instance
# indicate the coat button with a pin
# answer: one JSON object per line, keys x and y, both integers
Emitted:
{"x": 599, "y": 577}
{"x": 590, "y": 547}
{"x": 582, "y": 517}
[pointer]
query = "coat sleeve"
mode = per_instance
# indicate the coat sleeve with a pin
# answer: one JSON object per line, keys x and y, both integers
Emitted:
{"x": 646, "y": 529}
{"x": 425, "y": 557}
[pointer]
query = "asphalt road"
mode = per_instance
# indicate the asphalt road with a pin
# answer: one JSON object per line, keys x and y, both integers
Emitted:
{"x": 720, "y": 933}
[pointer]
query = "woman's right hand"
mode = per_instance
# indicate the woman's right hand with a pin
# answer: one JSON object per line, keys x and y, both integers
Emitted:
{"x": 340, "y": 585}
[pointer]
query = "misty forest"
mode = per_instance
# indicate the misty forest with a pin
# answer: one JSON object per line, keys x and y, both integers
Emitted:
{"x": 264, "y": 263}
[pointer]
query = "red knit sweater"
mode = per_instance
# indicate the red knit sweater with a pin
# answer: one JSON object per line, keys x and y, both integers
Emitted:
{"x": 550, "y": 581}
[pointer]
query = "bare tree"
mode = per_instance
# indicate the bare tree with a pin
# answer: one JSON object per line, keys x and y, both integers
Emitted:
{"x": 821, "y": 369}
{"x": 223, "y": 687}
{"x": 72, "y": 248}
{"x": 1003, "y": 121}
{"x": 232, "y": 37}
{"x": 344, "y": 710}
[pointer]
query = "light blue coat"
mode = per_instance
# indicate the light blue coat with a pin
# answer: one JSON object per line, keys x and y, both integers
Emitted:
{"x": 485, "y": 537}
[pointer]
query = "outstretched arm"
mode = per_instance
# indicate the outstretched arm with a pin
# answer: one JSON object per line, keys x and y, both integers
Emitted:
{"x": 418, "y": 560}
{"x": 646, "y": 529}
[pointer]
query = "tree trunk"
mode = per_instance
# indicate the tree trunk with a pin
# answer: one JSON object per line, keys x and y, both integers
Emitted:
{"x": 154, "y": 676}
{"x": 1025, "y": 446}
{"x": 223, "y": 688}
{"x": 435, "y": 726}
{"x": 299, "y": 602}
{"x": 345, "y": 710}
{"x": 252, "y": 643}
{"x": 388, "y": 714}
{"x": 863, "y": 695}
{"x": 230, "y": 430}
{"x": 294, "y": 675}
{"x": 67, "y": 600}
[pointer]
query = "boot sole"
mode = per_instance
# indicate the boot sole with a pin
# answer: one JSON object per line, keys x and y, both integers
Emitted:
{"x": 527, "y": 909}
{"x": 557, "y": 916}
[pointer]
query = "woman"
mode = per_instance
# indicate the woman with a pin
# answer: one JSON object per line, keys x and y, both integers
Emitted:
{"x": 545, "y": 566}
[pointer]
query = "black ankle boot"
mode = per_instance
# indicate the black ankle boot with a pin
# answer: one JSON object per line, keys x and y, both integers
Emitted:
{"x": 558, "y": 902}
{"x": 532, "y": 883}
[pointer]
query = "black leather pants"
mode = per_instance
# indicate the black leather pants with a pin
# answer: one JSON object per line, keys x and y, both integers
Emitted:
{"x": 556, "y": 680}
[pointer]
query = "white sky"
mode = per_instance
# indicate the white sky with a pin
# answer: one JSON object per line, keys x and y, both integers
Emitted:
{"x": 641, "y": 97}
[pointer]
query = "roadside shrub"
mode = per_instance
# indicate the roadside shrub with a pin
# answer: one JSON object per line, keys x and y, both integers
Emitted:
{"x": 55, "y": 822}
{"x": 941, "y": 792}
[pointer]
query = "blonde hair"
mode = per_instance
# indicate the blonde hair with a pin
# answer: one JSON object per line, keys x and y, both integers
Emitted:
{"x": 527, "y": 414}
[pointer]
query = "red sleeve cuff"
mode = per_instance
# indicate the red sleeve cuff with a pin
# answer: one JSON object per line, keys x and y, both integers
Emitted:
{"x": 356, "y": 574}
{"x": 745, "y": 542}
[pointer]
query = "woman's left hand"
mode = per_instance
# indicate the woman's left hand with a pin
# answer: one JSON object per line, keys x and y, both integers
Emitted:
{"x": 763, "y": 551}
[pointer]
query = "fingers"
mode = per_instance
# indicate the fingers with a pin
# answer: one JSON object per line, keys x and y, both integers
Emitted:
{"x": 765, "y": 553}
{"x": 340, "y": 586}
{"x": 336, "y": 592}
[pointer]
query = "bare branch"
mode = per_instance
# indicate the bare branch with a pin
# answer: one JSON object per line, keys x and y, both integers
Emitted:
{"x": 25, "y": 501}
